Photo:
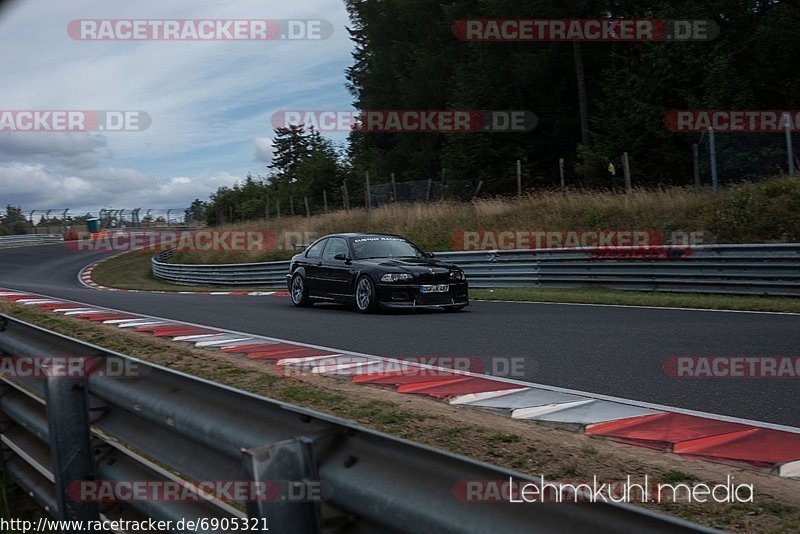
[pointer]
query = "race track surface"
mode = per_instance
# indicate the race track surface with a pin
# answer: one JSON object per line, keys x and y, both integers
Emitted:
{"x": 615, "y": 351}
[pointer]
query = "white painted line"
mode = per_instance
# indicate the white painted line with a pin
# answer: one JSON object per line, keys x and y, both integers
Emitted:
{"x": 294, "y": 360}
{"x": 137, "y": 323}
{"x": 511, "y": 381}
{"x": 80, "y": 312}
{"x": 581, "y": 413}
{"x": 632, "y": 306}
{"x": 30, "y": 302}
{"x": 195, "y": 337}
{"x": 474, "y": 397}
{"x": 220, "y": 342}
{"x": 790, "y": 470}
{"x": 332, "y": 368}
{"x": 535, "y": 411}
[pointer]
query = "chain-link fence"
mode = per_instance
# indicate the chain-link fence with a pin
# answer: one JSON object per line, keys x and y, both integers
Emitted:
{"x": 421, "y": 191}
{"x": 744, "y": 156}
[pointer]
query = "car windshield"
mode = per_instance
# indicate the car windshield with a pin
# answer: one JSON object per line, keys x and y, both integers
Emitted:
{"x": 384, "y": 247}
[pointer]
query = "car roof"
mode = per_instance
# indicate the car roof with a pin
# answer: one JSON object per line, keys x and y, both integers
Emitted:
{"x": 361, "y": 234}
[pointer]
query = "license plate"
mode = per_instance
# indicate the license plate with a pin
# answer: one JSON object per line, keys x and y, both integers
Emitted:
{"x": 440, "y": 288}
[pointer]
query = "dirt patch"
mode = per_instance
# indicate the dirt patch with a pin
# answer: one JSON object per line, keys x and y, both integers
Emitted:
{"x": 531, "y": 448}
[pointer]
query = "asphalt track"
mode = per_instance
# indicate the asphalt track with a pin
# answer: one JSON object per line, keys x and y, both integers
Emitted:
{"x": 618, "y": 351}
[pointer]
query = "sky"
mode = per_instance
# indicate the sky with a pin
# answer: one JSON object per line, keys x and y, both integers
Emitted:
{"x": 210, "y": 102}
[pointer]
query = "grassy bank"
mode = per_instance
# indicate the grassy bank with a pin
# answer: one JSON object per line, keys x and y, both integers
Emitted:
{"x": 602, "y": 295}
{"x": 764, "y": 212}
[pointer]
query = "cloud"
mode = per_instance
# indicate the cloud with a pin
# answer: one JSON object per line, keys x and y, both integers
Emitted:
{"x": 210, "y": 102}
{"x": 264, "y": 149}
{"x": 34, "y": 186}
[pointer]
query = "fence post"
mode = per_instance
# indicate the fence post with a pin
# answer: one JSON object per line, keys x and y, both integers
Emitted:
{"x": 696, "y": 166}
{"x": 278, "y": 206}
{"x": 519, "y": 178}
{"x": 478, "y": 189}
{"x": 266, "y": 209}
{"x": 291, "y": 205}
{"x": 561, "y": 171}
{"x": 712, "y": 149}
{"x": 626, "y": 171}
{"x": 291, "y": 461}
{"x": 325, "y": 199}
{"x": 428, "y": 194}
{"x": 789, "y": 148}
{"x": 367, "y": 200}
{"x": 71, "y": 455}
{"x": 394, "y": 189}
{"x": 308, "y": 212}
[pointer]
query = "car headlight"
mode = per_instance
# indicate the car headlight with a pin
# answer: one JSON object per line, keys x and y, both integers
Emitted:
{"x": 456, "y": 275}
{"x": 395, "y": 277}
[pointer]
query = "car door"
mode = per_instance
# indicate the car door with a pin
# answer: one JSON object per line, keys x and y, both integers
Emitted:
{"x": 313, "y": 267}
{"x": 335, "y": 274}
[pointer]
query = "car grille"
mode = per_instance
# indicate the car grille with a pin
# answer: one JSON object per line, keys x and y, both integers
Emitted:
{"x": 434, "y": 278}
{"x": 434, "y": 298}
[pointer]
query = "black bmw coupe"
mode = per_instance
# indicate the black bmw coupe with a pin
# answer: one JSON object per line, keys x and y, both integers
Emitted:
{"x": 374, "y": 271}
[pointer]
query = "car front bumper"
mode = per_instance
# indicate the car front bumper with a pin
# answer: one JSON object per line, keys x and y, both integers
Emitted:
{"x": 408, "y": 296}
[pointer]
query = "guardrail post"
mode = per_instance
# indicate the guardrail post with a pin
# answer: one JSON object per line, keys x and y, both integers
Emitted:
{"x": 70, "y": 445}
{"x": 290, "y": 466}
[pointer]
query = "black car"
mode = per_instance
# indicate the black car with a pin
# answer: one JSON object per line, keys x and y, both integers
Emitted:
{"x": 374, "y": 271}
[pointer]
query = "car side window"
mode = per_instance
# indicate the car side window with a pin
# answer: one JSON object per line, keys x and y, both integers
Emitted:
{"x": 315, "y": 250}
{"x": 335, "y": 246}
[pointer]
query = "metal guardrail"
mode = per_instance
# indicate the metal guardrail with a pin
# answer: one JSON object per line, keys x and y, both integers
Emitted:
{"x": 734, "y": 269}
{"x": 154, "y": 424}
{"x": 30, "y": 239}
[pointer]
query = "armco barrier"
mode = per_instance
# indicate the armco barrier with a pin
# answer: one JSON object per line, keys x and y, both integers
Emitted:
{"x": 735, "y": 269}
{"x": 157, "y": 425}
{"x": 30, "y": 239}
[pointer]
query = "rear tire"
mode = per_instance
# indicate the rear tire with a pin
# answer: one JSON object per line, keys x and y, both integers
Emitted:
{"x": 299, "y": 292}
{"x": 366, "y": 295}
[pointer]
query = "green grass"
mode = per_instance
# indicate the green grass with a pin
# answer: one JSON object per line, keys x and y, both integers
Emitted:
{"x": 133, "y": 271}
{"x": 506, "y": 438}
{"x": 602, "y": 295}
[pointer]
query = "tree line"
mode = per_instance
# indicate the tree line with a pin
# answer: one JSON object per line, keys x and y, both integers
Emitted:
{"x": 594, "y": 100}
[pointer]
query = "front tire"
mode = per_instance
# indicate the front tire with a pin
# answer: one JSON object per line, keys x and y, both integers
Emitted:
{"x": 299, "y": 292}
{"x": 366, "y": 295}
{"x": 452, "y": 309}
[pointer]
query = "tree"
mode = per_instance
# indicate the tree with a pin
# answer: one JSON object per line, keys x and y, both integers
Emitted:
{"x": 196, "y": 212}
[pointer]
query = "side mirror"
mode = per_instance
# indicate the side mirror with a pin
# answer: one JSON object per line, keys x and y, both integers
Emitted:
{"x": 341, "y": 257}
{"x": 429, "y": 254}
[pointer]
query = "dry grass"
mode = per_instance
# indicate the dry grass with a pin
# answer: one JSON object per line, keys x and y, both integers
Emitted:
{"x": 762, "y": 212}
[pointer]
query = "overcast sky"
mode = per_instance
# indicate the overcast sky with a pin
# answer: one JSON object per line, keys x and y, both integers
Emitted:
{"x": 210, "y": 102}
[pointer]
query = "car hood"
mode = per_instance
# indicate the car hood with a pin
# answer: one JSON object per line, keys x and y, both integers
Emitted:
{"x": 412, "y": 265}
